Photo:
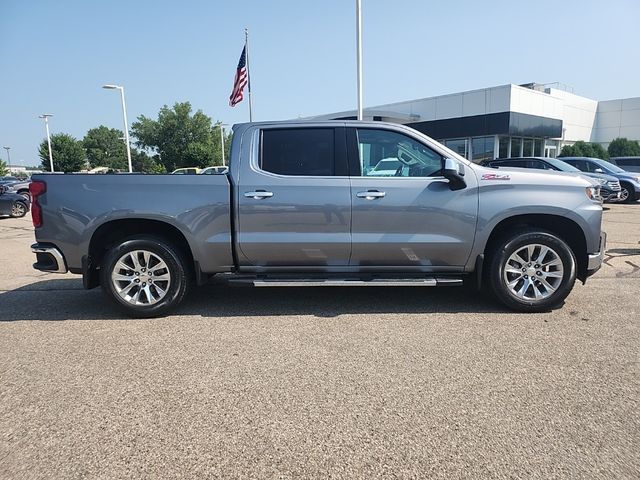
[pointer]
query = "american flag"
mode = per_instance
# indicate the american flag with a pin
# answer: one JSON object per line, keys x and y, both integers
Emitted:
{"x": 242, "y": 77}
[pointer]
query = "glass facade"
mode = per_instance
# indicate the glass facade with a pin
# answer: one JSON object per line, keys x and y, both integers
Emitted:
{"x": 478, "y": 149}
{"x": 482, "y": 148}
{"x": 516, "y": 147}
{"x": 503, "y": 147}
{"x": 537, "y": 147}
{"x": 458, "y": 145}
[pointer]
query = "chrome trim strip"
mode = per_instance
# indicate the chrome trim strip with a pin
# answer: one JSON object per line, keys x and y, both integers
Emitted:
{"x": 595, "y": 259}
{"x": 56, "y": 254}
{"x": 425, "y": 282}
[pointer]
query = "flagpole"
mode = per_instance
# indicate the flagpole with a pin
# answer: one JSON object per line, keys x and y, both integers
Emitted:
{"x": 359, "y": 54}
{"x": 246, "y": 46}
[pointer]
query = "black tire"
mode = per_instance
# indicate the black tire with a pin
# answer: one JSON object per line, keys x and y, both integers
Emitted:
{"x": 630, "y": 196}
{"x": 19, "y": 209}
{"x": 25, "y": 194}
{"x": 176, "y": 266}
{"x": 529, "y": 283}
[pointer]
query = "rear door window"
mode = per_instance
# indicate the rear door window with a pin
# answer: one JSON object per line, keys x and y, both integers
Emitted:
{"x": 298, "y": 151}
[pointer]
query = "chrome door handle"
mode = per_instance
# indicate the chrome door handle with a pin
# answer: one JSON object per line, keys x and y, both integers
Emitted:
{"x": 258, "y": 194}
{"x": 370, "y": 194}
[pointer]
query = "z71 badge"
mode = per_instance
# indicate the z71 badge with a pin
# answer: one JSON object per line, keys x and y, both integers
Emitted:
{"x": 495, "y": 176}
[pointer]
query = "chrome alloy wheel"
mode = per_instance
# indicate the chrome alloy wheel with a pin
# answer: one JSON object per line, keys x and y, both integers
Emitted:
{"x": 18, "y": 209}
{"x": 533, "y": 272}
{"x": 141, "y": 277}
{"x": 624, "y": 195}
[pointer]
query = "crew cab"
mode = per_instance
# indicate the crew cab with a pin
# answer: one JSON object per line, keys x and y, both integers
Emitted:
{"x": 303, "y": 205}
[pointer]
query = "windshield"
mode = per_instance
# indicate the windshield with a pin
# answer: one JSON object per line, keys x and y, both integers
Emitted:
{"x": 562, "y": 166}
{"x": 608, "y": 166}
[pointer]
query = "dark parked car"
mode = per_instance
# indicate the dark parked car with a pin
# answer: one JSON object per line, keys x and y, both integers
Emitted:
{"x": 629, "y": 181}
{"x": 21, "y": 187}
{"x": 609, "y": 186}
{"x": 12, "y": 204}
{"x": 630, "y": 164}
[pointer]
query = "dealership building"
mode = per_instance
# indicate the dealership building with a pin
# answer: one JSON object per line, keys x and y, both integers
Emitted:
{"x": 511, "y": 120}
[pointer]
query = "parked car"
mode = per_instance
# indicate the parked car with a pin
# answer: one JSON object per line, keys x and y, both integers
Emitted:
{"x": 217, "y": 170}
{"x": 8, "y": 179}
{"x": 21, "y": 187}
{"x": 629, "y": 181}
{"x": 186, "y": 171}
{"x": 609, "y": 186}
{"x": 12, "y": 204}
{"x": 387, "y": 167}
{"x": 630, "y": 164}
{"x": 298, "y": 209}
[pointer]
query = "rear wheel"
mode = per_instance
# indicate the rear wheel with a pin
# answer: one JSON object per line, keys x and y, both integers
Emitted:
{"x": 19, "y": 209}
{"x": 145, "y": 276}
{"x": 532, "y": 271}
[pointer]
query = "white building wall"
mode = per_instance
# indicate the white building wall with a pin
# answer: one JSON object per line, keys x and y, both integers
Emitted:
{"x": 617, "y": 118}
{"x": 583, "y": 118}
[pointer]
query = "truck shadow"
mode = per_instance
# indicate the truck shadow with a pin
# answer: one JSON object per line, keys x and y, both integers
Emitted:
{"x": 65, "y": 299}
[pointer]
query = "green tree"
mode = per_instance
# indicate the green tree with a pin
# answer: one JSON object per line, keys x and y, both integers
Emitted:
{"x": 622, "y": 147}
{"x": 584, "y": 149}
{"x": 105, "y": 148}
{"x": 3, "y": 168}
{"x": 142, "y": 162}
{"x": 179, "y": 138}
{"x": 68, "y": 154}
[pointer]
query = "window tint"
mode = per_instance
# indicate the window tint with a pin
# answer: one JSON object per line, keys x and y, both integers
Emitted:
{"x": 390, "y": 154}
{"x": 539, "y": 165}
{"x": 516, "y": 163}
{"x": 299, "y": 151}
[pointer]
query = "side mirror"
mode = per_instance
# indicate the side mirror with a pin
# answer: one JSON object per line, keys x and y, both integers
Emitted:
{"x": 598, "y": 170}
{"x": 454, "y": 172}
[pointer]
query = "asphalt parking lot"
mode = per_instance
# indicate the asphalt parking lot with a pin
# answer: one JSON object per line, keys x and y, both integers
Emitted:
{"x": 343, "y": 383}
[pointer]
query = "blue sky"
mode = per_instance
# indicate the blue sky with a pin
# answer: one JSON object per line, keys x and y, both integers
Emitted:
{"x": 56, "y": 55}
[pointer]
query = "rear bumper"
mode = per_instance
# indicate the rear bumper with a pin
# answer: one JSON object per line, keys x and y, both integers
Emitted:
{"x": 48, "y": 258}
{"x": 595, "y": 259}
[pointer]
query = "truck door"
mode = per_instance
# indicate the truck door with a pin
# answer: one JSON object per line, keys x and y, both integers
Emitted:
{"x": 404, "y": 213}
{"x": 294, "y": 199}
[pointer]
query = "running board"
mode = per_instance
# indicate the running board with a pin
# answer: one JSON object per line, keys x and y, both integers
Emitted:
{"x": 377, "y": 282}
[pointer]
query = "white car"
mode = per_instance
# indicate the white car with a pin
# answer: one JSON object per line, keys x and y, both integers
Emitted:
{"x": 387, "y": 167}
{"x": 214, "y": 170}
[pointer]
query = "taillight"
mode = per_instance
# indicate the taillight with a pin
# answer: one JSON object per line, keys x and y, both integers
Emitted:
{"x": 36, "y": 188}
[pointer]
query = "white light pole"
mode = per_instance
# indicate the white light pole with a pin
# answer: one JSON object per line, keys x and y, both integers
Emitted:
{"x": 359, "y": 54}
{"x": 126, "y": 125}
{"x": 46, "y": 126}
{"x": 8, "y": 158}
{"x": 222, "y": 125}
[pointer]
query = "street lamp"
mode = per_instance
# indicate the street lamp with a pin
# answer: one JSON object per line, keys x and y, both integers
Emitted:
{"x": 222, "y": 125}
{"x": 8, "y": 158}
{"x": 124, "y": 115}
{"x": 46, "y": 125}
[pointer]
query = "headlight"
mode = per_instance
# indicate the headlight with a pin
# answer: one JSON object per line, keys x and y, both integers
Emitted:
{"x": 602, "y": 181}
{"x": 593, "y": 193}
{"x": 637, "y": 179}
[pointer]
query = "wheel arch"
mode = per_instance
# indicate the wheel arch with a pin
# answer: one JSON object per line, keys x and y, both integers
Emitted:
{"x": 563, "y": 227}
{"x": 112, "y": 231}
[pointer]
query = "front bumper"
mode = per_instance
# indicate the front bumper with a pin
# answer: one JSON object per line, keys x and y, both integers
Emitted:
{"x": 595, "y": 259}
{"x": 48, "y": 258}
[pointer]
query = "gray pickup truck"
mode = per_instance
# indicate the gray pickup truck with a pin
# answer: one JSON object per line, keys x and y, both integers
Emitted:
{"x": 304, "y": 205}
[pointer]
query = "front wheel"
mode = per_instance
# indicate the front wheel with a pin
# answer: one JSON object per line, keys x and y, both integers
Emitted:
{"x": 627, "y": 194}
{"x": 19, "y": 209}
{"x": 532, "y": 271}
{"x": 145, "y": 276}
